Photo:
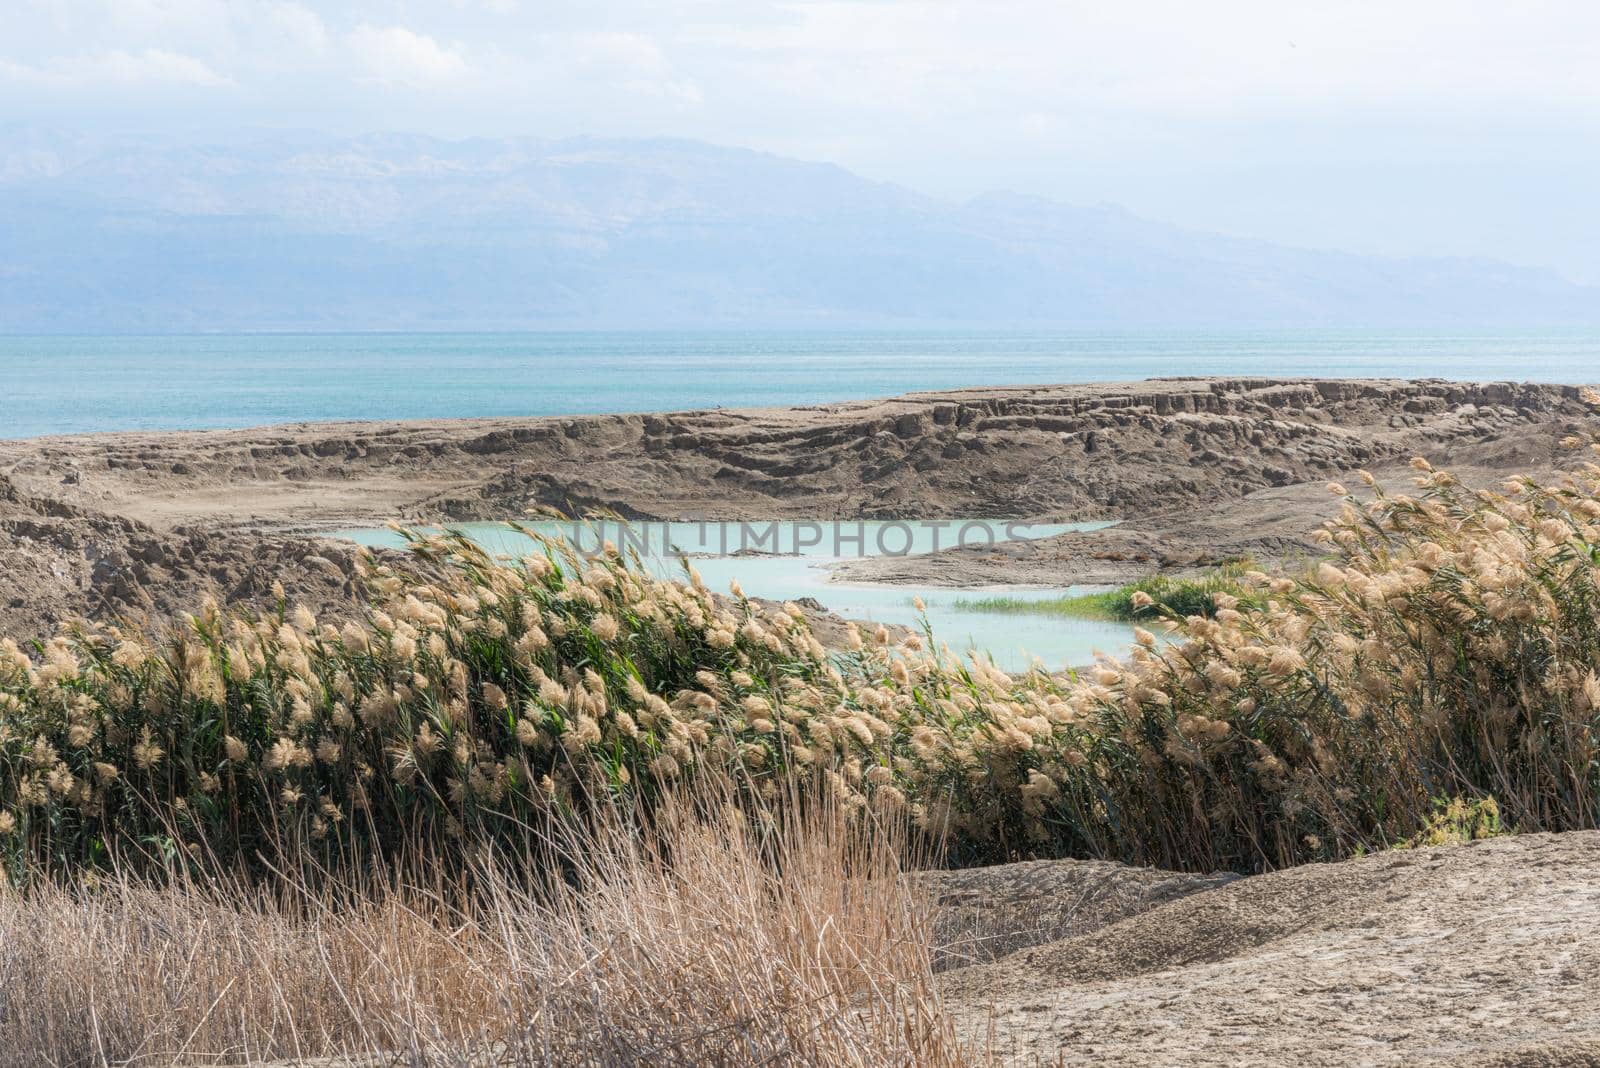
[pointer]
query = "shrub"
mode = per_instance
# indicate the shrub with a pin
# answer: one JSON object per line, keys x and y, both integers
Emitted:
{"x": 1448, "y": 647}
{"x": 457, "y": 712}
{"x": 1458, "y": 820}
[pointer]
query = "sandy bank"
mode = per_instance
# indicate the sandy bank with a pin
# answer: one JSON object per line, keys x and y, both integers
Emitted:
{"x": 1482, "y": 954}
{"x": 142, "y": 522}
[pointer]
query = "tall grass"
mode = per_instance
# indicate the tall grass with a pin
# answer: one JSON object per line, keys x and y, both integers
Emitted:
{"x": 1448, "y": 647}
{"x": 714, "y": 940}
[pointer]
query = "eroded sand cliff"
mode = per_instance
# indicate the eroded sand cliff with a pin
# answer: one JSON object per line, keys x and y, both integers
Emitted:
{"x": 1198, "y": 469}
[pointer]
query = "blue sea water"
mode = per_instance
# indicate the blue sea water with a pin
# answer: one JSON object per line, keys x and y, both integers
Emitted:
{"x": 59, "y": 385}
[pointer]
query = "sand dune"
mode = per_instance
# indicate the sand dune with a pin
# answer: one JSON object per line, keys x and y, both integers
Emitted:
{"x": 1482, "y": 954}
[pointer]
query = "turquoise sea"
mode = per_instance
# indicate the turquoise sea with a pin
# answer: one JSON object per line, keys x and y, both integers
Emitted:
{"x": 60, "y": 385}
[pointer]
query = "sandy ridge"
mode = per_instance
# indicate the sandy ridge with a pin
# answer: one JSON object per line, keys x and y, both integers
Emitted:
{"x": 144, "y": 523}
{"x": 1079, "y": 451}
{"x": 1486, "y": 953}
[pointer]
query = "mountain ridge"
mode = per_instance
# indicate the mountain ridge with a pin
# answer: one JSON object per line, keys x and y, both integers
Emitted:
{"x": 409, "y": 232}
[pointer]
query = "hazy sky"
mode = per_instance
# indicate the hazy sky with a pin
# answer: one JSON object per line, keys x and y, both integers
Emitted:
{"x": 1465, "y": 127}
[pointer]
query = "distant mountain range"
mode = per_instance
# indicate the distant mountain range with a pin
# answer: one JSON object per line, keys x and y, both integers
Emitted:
{"x": 402, "y": 232}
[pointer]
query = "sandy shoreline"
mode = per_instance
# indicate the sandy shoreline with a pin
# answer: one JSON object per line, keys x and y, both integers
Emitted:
{"x": 1197, "y": 470}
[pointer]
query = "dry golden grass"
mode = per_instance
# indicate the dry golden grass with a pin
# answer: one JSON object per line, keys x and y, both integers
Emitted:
{"x": 795, "y": 944}
{"x": 1447, "y": 647}
{"x": 177, "y": 816}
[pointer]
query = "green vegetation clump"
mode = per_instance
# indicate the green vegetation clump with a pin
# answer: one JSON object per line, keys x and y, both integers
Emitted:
{"x": 1448, "y": 647}
{"x": 1155, "y": 595}
{"x": 1457, "y": 821}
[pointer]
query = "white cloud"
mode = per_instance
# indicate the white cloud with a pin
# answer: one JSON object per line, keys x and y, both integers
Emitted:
{"x": 165, "y": 18}
{"x": 1082, "y": 99}
{"x": 396, "y": 56}
{"x": 632, "y": 62}
{"x": 116, "y": 69}
{"x": 1239, "y": 55}
{"x": 303, "y": 27}
{"x": 831, "y": 60}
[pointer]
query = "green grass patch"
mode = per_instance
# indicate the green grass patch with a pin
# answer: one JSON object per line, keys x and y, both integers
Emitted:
{"x": 1182, "y": 596}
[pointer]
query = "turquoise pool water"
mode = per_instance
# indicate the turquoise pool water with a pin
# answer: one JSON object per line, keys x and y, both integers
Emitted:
{"x": 786, "y": 561}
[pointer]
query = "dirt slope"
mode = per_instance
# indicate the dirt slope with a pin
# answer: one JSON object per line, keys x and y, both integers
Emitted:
{"x": 1483, "y": 954}
{"x": 1118, "y": 450}
{"x": 144, "y": 522}
{"x": 59, "y": 562}
{"x": 984, "y": 914}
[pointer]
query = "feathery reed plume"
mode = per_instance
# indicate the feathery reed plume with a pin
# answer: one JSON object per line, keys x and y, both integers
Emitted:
{"x": 1447, "y": 647}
